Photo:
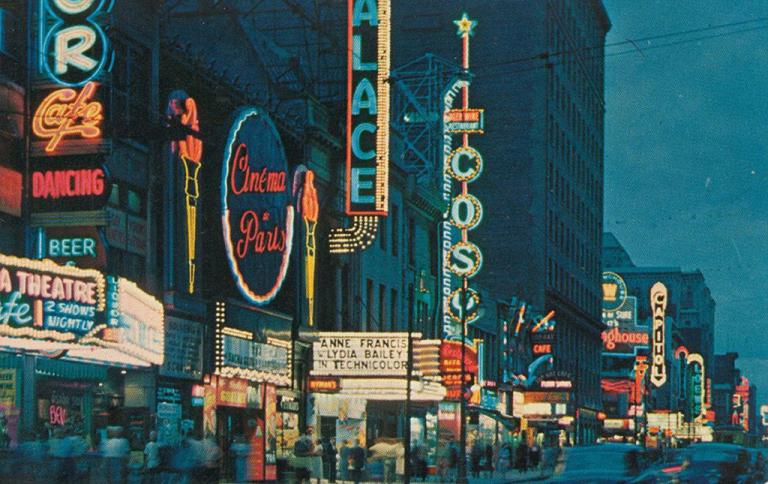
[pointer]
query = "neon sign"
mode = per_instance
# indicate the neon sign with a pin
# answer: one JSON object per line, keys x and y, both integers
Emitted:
{"x": 309, "y": 213}
{"x": 614, "y": 338}
{"x": 67, "y": 112}
{"x": 697, "y": 395}
{"x": 614, "y": 291}
{"x": 257, "y": 216}
{"x": 136, "y": 321}
{"x": 464, "y": 121}
{"x": 368, "y": 108}
{"x": 55, "y": 184}
{"x": 190, "y": 150}
{"x": 73, "y": 46}
{"x": 42, "y": 300}
{"x": 461, "y": 166}
{"x": 658, "y": 309}
{"x": 367, "y": 123}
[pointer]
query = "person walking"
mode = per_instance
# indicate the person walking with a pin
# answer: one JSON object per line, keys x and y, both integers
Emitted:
{"x": 344, "y": 460}
{"x": 521, "y": 461}
{"x": 475, "y": 456}
{"x": 356, "y": 462}
{"x": 489, "y": 459}
{"x": 115, "y": 451}
{"x": 151, "y": 459}
{"x": 329, "y": 459}
{"x": 535, "y": 456}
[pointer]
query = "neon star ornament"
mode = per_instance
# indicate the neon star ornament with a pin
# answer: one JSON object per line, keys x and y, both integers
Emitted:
{"x": 465, "y": 26}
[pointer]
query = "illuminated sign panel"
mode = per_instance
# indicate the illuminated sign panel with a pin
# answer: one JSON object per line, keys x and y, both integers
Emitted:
{"x": 450, "y": 367}
{"x": 73, "y": 46}
{"x": 658, "y": 349}
{"x": 188, "y": 150}
{"x": 66, "y": 185}
{"x": 257, "y": 216}
{"x": 463, "y": 165}
{"x": 68, "y": 113}
{"x": 697, "y": 385}
{"x": 41, "y": 300}
{"x": 614, "y": 291}
{"x": 137, "y": 320}
{"x": 368, "y": 108}
{"x": 80, "y": 246}
{"x": 10, "y": 191}
{"x": 323, "y": 385}
{"x": 464, "y": 121}
{"x": 239, "y": 355}
{"x": 362, "y": 354}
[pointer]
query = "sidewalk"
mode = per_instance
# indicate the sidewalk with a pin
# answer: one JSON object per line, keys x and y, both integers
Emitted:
{"x": 510, "y": 476}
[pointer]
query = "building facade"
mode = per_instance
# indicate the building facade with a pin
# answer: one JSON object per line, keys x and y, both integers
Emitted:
{"x": 541, "y": 237}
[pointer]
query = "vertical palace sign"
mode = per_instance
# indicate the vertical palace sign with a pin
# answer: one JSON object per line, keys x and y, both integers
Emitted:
{"x": 257, "y": 216}
{"x": 367, "y": 124}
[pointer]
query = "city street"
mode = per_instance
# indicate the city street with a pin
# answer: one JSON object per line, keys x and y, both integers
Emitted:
{"x": 383, "y": 241}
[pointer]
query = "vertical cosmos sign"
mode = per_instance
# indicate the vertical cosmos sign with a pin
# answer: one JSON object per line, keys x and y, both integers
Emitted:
{"x": 462, "y": 166}
{"x": 257, "y": 216}
{"x": 367, "y": 124}
{"x": 658, "y": 313}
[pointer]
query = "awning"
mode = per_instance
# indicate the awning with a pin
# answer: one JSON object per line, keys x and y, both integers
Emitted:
{"x": 70, "y": 370}
{"x": 512, "y": 423}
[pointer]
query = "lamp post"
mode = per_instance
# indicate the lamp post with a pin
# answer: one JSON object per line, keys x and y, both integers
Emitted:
{"x": 462, "y": 477}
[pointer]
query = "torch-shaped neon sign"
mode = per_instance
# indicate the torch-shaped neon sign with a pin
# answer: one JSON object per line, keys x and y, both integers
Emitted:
{"x": 189, "y": 148}
{"x": 309, "y": 212}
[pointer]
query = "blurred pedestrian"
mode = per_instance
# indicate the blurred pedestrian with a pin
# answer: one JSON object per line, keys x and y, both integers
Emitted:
{"x": 302, "y": 456}
{"x": 521, "y": 460}
{"x": 344, "y": 460}
{"x": 356, "y": 462}
{"x": 241, "y": 451}
{"x": 535, "y": 455}
{"x": 60, "y": 452}
{"x": 475, "y": 456}
{"x": 453, "y": 460}
{"x": 329, "y": 459}
{"x": 151, "y": 459}
{"x": 211, "y": 454}
{"x": 489, "y": 460}
{"x": 115, "y": 452}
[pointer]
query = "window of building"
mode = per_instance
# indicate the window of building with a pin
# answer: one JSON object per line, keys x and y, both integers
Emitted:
{"x": 411, "y": 241}
{"x": 382, "y": 235}
{"x": 382, "y": 305}
{"x": 394, "y": 314}
{"x": 395, "y": 221}
{"x": 433, "y": 251}
{"x": 369, "y": 302}
{"x": 131, "y": 81}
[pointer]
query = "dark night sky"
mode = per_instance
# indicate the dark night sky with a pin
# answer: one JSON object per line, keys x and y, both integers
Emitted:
{"x": 686, "y": 178}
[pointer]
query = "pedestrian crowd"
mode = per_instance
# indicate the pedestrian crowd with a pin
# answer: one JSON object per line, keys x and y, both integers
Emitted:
{"x": 63, "y": 455}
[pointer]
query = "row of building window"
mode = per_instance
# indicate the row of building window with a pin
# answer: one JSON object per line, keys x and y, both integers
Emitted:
{"x": 389, "y": 239}
{"x": 580, "y": 56}
{"x": 570, "y": 244}
{"x": 378, "y": 319}
{"x": 585, "y": 134}
{"x": 572, "y": 288}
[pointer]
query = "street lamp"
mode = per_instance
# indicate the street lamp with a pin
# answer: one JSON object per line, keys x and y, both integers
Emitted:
{"x": 462, "y": 477}
{"x": 422, "y": 291}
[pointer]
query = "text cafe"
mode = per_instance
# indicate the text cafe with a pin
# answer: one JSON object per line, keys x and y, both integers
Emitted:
{"x": 76, "y": 348}
{"x": 357, "y": 386}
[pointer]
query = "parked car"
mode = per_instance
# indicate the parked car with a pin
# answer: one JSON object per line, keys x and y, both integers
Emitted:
{"x": 601, "y": 463}
{"x": 703, "y": 463}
